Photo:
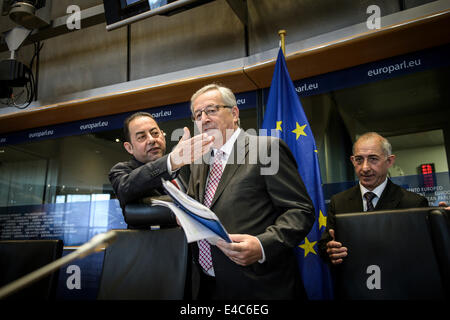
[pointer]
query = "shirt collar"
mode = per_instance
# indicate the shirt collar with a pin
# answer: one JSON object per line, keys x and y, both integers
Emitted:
{"x": 378, "y": 190}
{"x": 228, "y": 146}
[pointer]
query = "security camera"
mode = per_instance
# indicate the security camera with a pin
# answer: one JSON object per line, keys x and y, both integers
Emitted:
{"x": 24, "y": 13}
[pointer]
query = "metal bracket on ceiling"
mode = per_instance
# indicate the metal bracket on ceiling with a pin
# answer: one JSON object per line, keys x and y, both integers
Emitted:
{"x": 89, "y": 17}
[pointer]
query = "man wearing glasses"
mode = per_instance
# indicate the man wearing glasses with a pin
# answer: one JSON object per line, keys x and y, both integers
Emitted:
{"x": 266, "y": 215}
{"x": 372, "y": 157}
{"x": 140, "y": 177}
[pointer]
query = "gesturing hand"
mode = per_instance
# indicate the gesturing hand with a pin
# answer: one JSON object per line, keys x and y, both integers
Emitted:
{"x": 190, "y": 149}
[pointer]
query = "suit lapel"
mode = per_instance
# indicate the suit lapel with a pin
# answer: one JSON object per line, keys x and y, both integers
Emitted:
{"x": 236, "y": 158}
{"x": 355, "y": 203}
{"x": 203, "y": 174}
{"x": 389, "y": 198}
{"x": 183, "y": 177}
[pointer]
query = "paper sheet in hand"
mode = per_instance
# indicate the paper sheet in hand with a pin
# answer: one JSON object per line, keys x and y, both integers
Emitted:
{"x": 197, "y": 220}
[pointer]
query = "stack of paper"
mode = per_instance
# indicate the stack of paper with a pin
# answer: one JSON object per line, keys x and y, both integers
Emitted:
{"x": 197, "y": 220}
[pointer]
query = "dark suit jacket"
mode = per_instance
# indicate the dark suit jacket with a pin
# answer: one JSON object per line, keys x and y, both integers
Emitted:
{"x": 133, "y": 180}
{"x": 348, "y": 201}
{"x": 275, "y": 208}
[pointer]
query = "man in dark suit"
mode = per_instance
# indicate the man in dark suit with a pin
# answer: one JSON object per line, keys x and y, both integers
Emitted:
{"x": 372, "y": 157}
{"x": 140, "y": 177}
{"x": 266, "y": 212}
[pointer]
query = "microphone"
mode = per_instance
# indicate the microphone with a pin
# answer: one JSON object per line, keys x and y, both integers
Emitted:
{"x": 97, "y": 243}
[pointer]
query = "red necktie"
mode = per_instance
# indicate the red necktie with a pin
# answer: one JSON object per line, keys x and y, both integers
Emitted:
{"x": 175, "y": 184}
{"x": 204, "y": 257}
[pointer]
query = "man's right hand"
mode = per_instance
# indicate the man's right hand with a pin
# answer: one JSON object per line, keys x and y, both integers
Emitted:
{"x": 336, "y": 252}
{"x": 444, "y": 204}
{"x": 190, "y": 149}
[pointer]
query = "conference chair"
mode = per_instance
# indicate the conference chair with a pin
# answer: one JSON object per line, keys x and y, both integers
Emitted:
{"x": 149, "y": 262}
{"x": 440, "y": 231}
{"x": 394, "y": 255}
{"x": 21, "y": 257}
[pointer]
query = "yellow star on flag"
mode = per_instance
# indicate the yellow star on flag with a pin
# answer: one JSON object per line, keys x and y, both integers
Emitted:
{"x": 299, "y": 130}
{"x": 322, "y": 220}
{"x": 279, "y": 125}
{"x": 308, "y": 247}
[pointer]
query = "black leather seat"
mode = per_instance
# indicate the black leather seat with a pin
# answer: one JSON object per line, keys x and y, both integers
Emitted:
{"x": 440, "y": 232}
{"x": 395, "y": 254}
{"x": 21, "y": 257}
{"x": 143, "y": 216}
{"x": 146, "y": 264}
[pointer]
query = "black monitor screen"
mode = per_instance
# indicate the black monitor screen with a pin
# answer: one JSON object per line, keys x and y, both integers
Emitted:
{"x": 118, "y": 10}
{"x": 127, "y": 3}
{"x": 130, "y": 4}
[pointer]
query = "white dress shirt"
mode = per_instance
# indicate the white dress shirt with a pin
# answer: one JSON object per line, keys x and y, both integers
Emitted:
{"x": 377, "y": 191}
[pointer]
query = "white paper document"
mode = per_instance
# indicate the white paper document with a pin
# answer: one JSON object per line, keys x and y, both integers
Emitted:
{"x": 197, "y": 220}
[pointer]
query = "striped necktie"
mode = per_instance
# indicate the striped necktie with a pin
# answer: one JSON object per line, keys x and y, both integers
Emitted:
{"x": 369, "y": 196}
{"x": 215, "y": 174}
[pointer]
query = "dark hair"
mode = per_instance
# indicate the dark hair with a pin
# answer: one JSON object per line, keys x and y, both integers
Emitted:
{"x": 126, "y": 123}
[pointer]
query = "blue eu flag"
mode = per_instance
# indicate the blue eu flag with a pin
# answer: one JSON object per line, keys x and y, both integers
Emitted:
{"x": 286, "y": 119}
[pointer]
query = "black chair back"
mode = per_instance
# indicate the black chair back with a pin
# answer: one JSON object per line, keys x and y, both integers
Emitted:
{"x": 149, "y": 261}
{"x": 21, "y": 257}
{"x": 392, "y": 255}
{"x": 440, "y": 232}
{"x": 145, "y": 265}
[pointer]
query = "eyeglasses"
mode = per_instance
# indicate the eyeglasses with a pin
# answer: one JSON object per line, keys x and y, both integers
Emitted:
{"x": 208, "y": 110}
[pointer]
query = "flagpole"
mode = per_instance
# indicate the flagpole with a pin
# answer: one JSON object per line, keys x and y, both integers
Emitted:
{"x": 282, "y": 34}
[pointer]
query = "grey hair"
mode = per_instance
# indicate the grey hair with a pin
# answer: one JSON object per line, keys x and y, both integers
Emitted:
{"x": 385, "y": 144}
{"x": 228, "y": 97}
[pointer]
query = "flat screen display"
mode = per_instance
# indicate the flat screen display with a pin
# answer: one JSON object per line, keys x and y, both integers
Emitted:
{"x": 130, "y": 2}
{"x": 125, "y": 4}
{"x": 118, "y": 10}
